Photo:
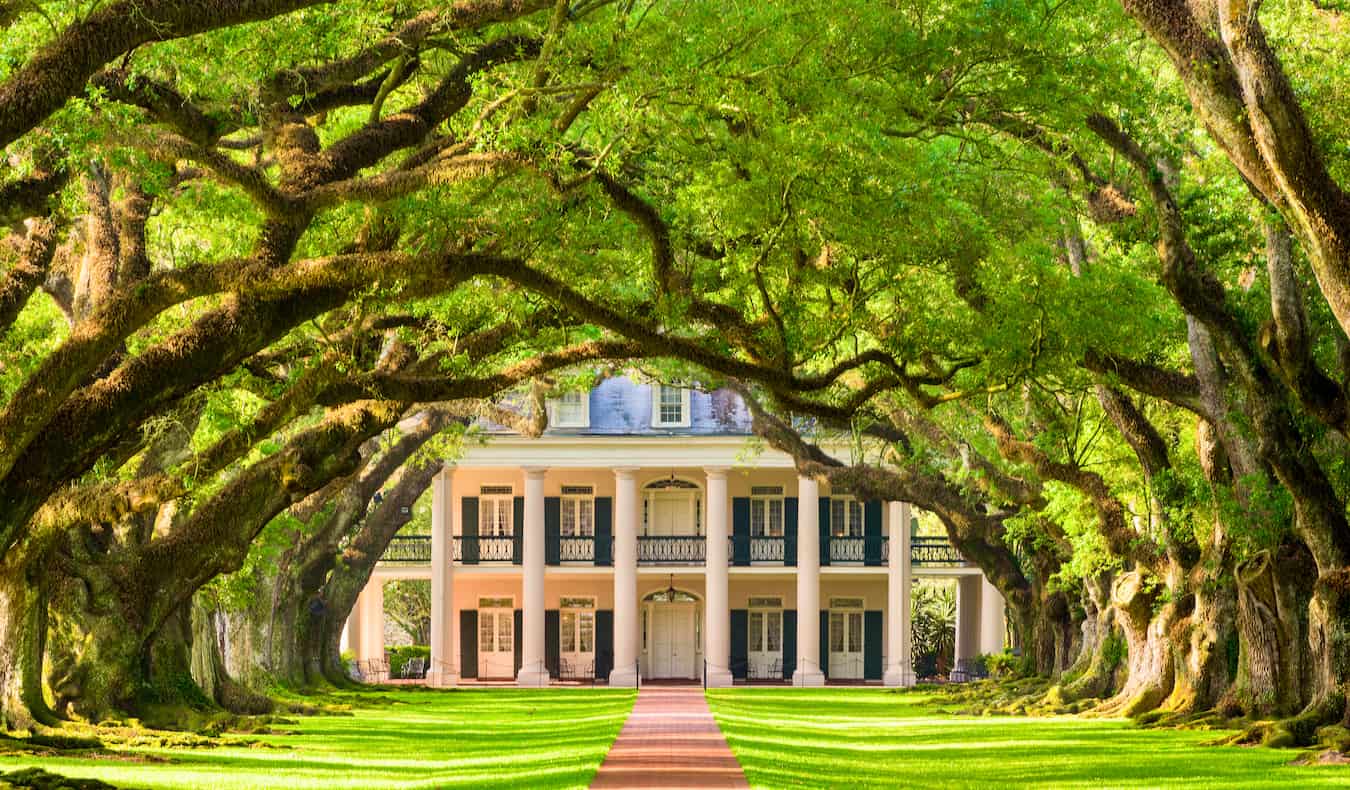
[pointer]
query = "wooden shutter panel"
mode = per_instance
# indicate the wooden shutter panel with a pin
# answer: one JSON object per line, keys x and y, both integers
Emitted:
{"x": 552, "y": 530}
{"x": 740, "y": 530}
{"x": 468, "y": 528}
{"x": 790, "y": 530}
{"x": 740, "y": 645}
{"x": 517, "y": 530}
{"x": 824, "y": 537}
{"x": 552, "y": 645}
{"x": 789, "y": 643}
{"x": 604, "y": 643}
{"x": 872, "y": 532}
{"x": 519, "y": 625}
{"x": 468, "y": 641}
{"x": 872, "y": 645}
{"x": 604, "y": 530}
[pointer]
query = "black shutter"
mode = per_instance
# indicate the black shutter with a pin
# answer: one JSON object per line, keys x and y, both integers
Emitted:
{"x": 872, "y": 532}
{"x": 552, "y": 627}
{"x": 825, "y": 642}
{"x": 515, "y": 643}
{"x": 604, "y": 530}
{"x": 517, "y": 529}
{"x": 790, "y": 530}
{"x": 468, "y": 641}
{"x": 468, "y": 529}
{"x": 872, "y": 645}
{"x": 824, "y": 530}
{"x": 789, "y": 643}
{"x": 740, "y": 645}
{"x": 552, "y": 529}
{"x": 740, "y": 530}
{"x": 604, "y": 643}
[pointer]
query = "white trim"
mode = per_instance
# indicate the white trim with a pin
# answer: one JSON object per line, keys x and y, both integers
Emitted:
{"x": 657, "y": 422}
{"x": 555, "y": 421}
{"x": 637, "y": 452}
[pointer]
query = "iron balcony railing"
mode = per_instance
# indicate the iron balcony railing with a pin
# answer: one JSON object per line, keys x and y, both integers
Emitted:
{"x": 846, "y": 549}
{"x": 767, "y": 549}
{"x": 488, "y": 548}
{"x": 671, "y": 549}
{"x": 930, "y": 551}
{"x": 934, "y": 551}
{"x": 576, "y": 549}
{"x": 408, "y": 549}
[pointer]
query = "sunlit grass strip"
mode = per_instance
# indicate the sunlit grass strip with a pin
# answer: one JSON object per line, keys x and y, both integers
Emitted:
{"x": 475, "y": 738}
{"x": 880, "y": 738}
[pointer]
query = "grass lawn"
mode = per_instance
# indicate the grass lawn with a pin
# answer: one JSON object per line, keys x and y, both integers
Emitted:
{"x": 471, "y": 738}
{"x": 881, "y": 738}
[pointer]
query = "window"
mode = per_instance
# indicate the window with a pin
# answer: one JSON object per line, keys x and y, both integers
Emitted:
{"x": 495, "y": 512}
{"x": 578, "y": 516}
{"x": 846, "y": 517}
{"x": 570, "y": 410}
{"x": 756, "y": 632}
{"x": 504, "y": 624}
{"x": 670, "y": 406}
{"x": 567, "y": 641}
{"x": 766, "y": 511}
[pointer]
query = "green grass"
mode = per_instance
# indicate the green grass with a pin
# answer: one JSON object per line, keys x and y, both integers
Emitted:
{"x": 881, "y": 738}
{"x": 468, "y": 738}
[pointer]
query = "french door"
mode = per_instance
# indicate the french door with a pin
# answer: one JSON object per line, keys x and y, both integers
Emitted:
{"x": 765, "y": 643}
{"x": 496, "y": 642}
{"x": 576, "y": 641}
{"x": 846, "y": 644}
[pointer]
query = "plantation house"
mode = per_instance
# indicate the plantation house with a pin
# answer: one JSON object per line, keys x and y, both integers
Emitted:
{"x": 647, "y": 535}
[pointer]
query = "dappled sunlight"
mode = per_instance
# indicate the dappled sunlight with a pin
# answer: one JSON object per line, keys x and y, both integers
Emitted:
{"x": 876, "y": 738}
{"x": 475, "y": 738}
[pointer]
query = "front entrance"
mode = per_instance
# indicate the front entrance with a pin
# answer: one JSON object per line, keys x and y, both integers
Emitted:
{"x": 670, "y": 636}
{"x": 496, "y": 639}
{"x": 576, "y": 638}
{"x": 765, "y": 640}
{"x": 846, "y": 639}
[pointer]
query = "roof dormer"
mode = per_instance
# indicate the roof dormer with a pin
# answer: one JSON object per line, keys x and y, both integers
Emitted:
{"x": 670, "y": 406}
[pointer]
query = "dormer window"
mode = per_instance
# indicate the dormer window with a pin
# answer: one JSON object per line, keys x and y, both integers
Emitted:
{"x": 670, "y": 406}
{"x": 570, "y": 410}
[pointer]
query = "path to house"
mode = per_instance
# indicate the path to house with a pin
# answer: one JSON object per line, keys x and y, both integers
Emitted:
{"x": 670, "y": 740}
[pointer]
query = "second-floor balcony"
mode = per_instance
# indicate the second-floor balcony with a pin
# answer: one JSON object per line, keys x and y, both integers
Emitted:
{"x": 672, "y": 549}
{"x": 926, "y": 551}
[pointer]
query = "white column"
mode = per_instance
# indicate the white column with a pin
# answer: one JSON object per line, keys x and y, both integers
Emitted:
{"x": 444, "y": 670}
{"x": 967, "y": 618}
{"x": 808, "y": 672}
{"x": 371, "y": 602}
{"x": 992, "y": 627}
{"x": 899, "y": 664}
{"x": 717, "y": 606}
{"x": 352, "y": 633}
{"x": 625, "y": 672}
{"x": 533, "y": 672}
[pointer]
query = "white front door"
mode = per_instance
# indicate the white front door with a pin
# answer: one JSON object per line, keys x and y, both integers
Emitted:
{"x": 671, "y": 648}
{"x": 670, "y": 514}
{"x": 496, "y": 643}
{"x": 766, "y": 643}
{"x": 576, "y": 641}
{"x": 846, "y": 644}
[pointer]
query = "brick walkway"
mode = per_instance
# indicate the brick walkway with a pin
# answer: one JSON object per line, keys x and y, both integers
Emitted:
{"x": 670, "y": 740}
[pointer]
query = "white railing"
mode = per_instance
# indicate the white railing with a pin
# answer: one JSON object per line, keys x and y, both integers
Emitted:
{"x": 766, "y": 549}
{"x": 671, "y": 549}
{"x": 576, "y": 549}
{"x": 847, "y": 549}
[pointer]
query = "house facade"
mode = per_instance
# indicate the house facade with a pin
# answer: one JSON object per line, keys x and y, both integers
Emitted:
{"x": 647, "y": 535}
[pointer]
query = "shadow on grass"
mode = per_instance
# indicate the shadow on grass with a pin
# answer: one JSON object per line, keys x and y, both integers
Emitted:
{"x": 878, "y": 738}
{"x": 402, "y": 738}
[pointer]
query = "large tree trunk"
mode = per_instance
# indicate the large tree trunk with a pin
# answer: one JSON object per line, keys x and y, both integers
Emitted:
{"x": 1148, "y": 639}
{"x": 1093, "y": 673}
{"x": 23, "y": 633}
{"x": 1200, "y": 641}
{"x": 1273, "y": 662}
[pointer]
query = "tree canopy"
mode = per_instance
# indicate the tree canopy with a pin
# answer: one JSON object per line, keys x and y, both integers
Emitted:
{"x": 1074, "y": 277}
